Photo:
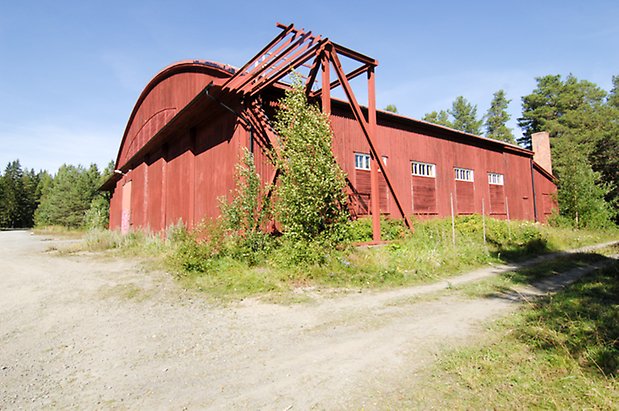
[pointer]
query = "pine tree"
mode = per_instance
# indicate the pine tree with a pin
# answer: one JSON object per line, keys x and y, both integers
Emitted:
{"x": 13, "y": 196}
{"x": 497, "y": 118}
{"x": 613, "y": 97}
{"x": 391, "y": 108}
{"x": 581, "y": 113}
{"x": 438, "y": 117}
{"x": 69, "y": 196}
{"x": 569, "y": 108}
{"x": 30, "y": 200}
{"x": 465, "y": 116}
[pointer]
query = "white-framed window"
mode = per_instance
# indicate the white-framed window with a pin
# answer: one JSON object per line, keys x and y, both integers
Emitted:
{"x": 423, "y": 169}
{"x": 463, "y": 174}
{"x": 495, "y": 178}
{"x": 362, "y": 161}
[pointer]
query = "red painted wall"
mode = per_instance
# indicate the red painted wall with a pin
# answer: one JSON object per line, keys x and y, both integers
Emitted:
{"x": 403, "y": 143}
{"x": 180, "y": 176}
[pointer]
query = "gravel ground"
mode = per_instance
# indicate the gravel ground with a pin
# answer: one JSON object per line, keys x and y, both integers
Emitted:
{"x": 88, "y": 331}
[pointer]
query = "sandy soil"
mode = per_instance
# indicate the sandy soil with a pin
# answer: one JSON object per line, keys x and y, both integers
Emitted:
{"x": 91, "y": 332}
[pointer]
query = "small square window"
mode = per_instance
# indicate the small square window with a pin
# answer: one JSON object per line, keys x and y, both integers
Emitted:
{"x": 495, "y": 179}
{"x": 362, "y": 161}
{"x": 423, "y": 169}
{"x": 464, "y": 174}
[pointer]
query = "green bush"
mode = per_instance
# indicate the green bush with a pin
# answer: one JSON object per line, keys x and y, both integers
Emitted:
{"x": 311, "y": 203}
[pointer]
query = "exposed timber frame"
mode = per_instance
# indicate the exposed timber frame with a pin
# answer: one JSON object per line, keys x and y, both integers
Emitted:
{"x": 296, "y": 48}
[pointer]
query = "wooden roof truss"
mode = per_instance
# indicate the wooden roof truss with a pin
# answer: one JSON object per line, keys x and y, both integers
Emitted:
{"x": 310, "y": 55}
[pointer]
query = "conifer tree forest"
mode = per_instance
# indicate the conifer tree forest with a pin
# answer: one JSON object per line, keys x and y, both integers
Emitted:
{"x": 581, "y": 118}
{"x": 583, "y": 122}
{"x": 69, "y": 198}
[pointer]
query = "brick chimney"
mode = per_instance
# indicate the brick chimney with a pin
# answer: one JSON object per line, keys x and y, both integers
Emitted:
{"x": 541, "y": 150}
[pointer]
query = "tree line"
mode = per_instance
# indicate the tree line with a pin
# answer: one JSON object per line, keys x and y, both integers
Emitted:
{"x": 582, "y": 120}
{"x": 70, "y": 198}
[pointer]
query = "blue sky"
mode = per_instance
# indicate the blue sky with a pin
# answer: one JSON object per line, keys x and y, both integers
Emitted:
{"x": 71, "y": 72}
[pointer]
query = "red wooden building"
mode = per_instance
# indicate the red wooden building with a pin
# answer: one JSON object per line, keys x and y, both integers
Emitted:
{"x": 189, "y": 125}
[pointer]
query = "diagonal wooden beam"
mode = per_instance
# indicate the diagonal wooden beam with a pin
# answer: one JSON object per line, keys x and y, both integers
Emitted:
{"x": 255, "y": 115}
{"x": 285, "y": 31}
{"x": 365, "y": 128}
{"x": 355, "y": 55}
{"x": 353, "y": 74}
{"x": 276, "y": 57}
{"x": 284, "y": 68}
{"x": 314, "y": 71}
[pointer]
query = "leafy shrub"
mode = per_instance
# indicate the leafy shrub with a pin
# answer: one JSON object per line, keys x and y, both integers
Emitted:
{"x": 311, "y": 202}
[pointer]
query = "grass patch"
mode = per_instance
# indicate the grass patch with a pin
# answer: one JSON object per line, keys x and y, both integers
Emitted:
{"x": 208, "y": 260}
{"x": 60, "y": 232}
{"x": 530, "y": 273}
{"x": 560, "y": 352}
{"x": 129, "y": 291}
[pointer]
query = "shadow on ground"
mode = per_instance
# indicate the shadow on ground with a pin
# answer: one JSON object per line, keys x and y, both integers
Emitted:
{"x": 573, "y": 307}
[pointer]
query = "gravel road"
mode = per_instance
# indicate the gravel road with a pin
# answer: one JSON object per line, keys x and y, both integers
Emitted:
{"x": 89, "y": 331}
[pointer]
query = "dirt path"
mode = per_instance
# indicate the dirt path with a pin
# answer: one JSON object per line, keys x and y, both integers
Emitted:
{"x": 88, "y": 332}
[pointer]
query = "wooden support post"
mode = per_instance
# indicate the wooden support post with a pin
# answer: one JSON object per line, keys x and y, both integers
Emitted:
{"x": 374, "y": 187}
{"x": 453, "y": 219}
{"x": 483, "y": 218}
{"x": 326, "y": 81}
{"x": 359, "y": 116}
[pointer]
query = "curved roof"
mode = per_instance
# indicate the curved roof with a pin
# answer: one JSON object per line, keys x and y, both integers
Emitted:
{"x": 206, "y": 67}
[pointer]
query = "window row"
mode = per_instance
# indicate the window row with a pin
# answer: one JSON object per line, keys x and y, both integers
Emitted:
{"x": 420, "y": 169}
{"x": 460, "y": 174}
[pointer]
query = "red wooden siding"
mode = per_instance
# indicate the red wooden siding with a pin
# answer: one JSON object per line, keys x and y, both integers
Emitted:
{"x": 362, "y": 184}
{"x": 155, "y": 210}
{"x": 178, "y": 172}
{"x": 497, "y": 200}
{"x": 546, "y": 193}
{"x": 465, "y": 197}
{"x": 424, "y": 195}
{"x": 404, "y": 142}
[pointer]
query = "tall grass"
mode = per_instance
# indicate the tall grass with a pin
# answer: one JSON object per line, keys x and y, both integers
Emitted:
{"x": 209, "y": 259}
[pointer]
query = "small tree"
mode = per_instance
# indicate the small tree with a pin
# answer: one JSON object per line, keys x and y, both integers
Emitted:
{"x": 246, "y": 216}
{"x": 311, "y": 203}
{"x": 391, "y": 108}
{"x": 497, "y": 118}
{"x": 438, "y": 117}
{"x": 580, "y": 195}
{"x": 249, "y": 209}
{"x": 465, "y": 116}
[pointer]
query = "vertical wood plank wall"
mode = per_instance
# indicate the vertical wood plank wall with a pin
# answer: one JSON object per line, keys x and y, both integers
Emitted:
{"x": 183, "y": 179}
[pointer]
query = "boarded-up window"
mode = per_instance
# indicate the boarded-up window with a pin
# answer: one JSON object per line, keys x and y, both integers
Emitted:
{"x": 424, "y": 195}
{"x": 497, "y": 199}
{"x": 363, "y": 187}
{"x": 465, "y": 197}
{"x": 423, "y": 187}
